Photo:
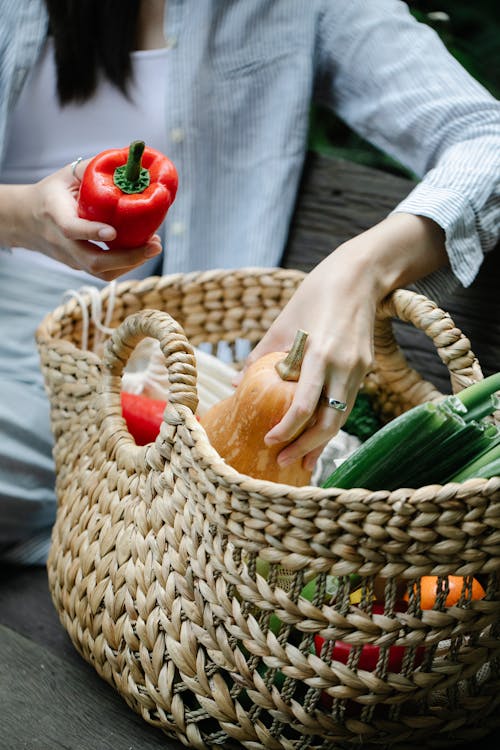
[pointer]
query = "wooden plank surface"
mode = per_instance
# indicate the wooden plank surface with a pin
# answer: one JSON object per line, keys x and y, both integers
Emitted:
{"x": 337, "y": 200}
{"x": 52, "y": 703}
{"x": 50, "y": 698}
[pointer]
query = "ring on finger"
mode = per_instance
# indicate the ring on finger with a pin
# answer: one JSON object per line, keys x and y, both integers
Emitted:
{"x": 334, "y": 403}
{"x": 74, "y": 165}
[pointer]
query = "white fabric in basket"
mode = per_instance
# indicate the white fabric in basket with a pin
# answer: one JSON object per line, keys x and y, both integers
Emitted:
{"x": 146, "y": 375}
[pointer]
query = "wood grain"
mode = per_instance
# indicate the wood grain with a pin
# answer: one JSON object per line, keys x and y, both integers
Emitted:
{"x": 337, "y": 200}
{"x": 53, "y": 703}
{"x": 50, "y": 698}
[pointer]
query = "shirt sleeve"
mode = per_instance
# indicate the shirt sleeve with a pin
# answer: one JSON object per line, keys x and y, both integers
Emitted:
{"x": 393, "y": 81}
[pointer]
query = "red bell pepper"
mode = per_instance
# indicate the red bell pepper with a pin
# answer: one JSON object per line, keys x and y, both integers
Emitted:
{"x": 143, "y": 416}
{"x": 369, "y": 655}
{"x": 129, "y": 188}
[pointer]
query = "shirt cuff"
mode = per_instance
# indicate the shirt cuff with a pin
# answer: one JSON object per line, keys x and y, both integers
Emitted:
{"x": 453, "y": 212}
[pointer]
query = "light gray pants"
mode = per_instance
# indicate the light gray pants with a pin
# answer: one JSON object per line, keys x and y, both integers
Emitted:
{"x": 27, "y": 500}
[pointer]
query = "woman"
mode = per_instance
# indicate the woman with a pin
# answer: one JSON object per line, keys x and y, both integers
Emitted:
{"x": 224, "y": 89}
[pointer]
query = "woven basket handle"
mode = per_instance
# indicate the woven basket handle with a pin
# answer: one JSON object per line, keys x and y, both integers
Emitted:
{"x": 452, "y": 346}
{"x": 179, "y": 356}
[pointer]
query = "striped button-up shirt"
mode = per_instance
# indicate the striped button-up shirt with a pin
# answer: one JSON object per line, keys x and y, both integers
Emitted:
{"x": 241, "y": 78}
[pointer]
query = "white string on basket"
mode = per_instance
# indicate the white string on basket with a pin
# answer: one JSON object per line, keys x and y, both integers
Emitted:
{"x": 96, "y": 311}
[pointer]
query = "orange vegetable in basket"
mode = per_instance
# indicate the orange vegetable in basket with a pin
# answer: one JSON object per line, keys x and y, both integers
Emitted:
{"x": 236, "y": 426}
{"x": 456, "y": 584}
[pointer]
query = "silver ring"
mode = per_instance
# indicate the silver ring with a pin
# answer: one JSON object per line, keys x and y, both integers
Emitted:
{"x": 333, "y": 403}
{"x": 74, "y": 165}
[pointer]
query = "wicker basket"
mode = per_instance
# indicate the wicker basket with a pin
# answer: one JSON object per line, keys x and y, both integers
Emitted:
{"x": 153, "y": 561}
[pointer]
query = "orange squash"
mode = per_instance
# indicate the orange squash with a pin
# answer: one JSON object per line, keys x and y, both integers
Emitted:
{"x": 236, "y": 426}
{"x": 428, "y": 591}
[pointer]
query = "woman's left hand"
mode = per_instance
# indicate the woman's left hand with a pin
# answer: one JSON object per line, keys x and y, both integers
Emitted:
{"x": 336, "y": 304}
{"x": 337, "y": 309}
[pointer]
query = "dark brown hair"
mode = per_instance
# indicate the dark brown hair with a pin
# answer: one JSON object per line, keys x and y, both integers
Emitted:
{"x": 92, "y": 37}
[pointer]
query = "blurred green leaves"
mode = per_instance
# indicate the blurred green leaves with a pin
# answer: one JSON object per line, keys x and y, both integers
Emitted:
{"x": 470, "y": 31}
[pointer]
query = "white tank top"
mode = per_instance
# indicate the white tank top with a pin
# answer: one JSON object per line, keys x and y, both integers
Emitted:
{"x": 43, "y": 136}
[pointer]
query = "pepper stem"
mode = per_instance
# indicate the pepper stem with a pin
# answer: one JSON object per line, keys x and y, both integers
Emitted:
{"x": 133, "y": 166}
{"x": 289, "y": 367}
{"x": 132, "y": 177}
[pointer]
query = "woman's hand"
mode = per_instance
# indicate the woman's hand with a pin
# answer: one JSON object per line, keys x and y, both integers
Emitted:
{"x": 336, "y": 305}
{"x": 43, "y": 217}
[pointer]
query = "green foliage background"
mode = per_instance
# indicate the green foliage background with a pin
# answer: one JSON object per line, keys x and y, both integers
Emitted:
{"x": 471, "y": 34}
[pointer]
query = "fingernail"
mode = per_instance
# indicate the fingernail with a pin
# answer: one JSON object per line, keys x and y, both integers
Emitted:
{"x": 310, "y": 463}
{"x": 150, "y": 252}
{"x": 270, "y": 440}
{"x": 285, "y": 460}
{"x": 106, "y": 233}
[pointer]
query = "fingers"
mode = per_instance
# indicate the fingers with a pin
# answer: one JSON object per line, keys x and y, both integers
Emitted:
{"x": 314, "y": 431}
{"x": 110, "y": 264}
{"x": 309, "y": 416}
{"x": 312, "y": 441}
{"x": 82, "y": 229}
{"x": 61, "y": 209}
{"x": 49, "y": 223}
{"x": 78, "y": 237}
{"x": 76, "y": 169}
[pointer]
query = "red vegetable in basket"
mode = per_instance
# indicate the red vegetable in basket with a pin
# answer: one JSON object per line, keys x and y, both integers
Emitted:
{"x": 369, "y": 655}
{"x": 143, "y": 416}
{"x": 129, "y": 188}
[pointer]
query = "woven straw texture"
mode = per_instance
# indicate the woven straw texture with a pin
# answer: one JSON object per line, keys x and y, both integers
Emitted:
{"x": 157, "y": 551}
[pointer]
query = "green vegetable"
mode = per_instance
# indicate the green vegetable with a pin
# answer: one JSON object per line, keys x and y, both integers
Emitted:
{"x": 427, "y": 444}
{"x": 362, "y": 422}
{"x": 480, "y": 399}
{"x": 484, "y": 466}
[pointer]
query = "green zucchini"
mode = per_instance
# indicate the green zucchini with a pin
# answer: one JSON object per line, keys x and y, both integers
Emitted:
{"x": 426, "y": 444}
{"x": 484, "y": 466}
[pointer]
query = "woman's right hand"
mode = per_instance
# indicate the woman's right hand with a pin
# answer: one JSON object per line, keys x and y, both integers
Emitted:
{"x": 43, "y": 217}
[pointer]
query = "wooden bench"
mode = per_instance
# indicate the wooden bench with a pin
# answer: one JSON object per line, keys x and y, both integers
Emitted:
{"x": 50, "y": 699}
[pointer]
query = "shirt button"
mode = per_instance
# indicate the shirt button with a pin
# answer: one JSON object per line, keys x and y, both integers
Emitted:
{"x": 177, "y": 135}
{"x": 177, "y": 228}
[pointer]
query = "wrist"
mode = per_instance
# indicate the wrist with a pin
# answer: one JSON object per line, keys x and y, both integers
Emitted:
{"x": 13, "y": 199}
{"x": 398, "y": 251}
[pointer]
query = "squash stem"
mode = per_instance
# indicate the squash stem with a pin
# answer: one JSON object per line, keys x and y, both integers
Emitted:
{"x": 289, "y": 367}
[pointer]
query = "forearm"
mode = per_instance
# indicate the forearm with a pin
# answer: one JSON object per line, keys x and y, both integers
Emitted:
{"x": 12, "y": 200}
{"x": 462, "y": 194}
{"x": 398, "y": 251}
{"x": 407, "y": 95}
